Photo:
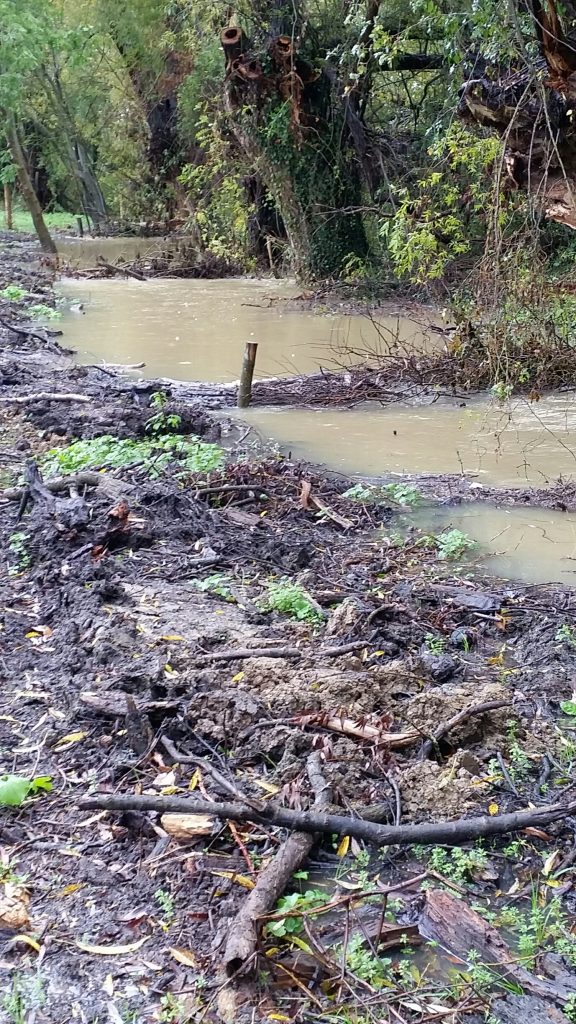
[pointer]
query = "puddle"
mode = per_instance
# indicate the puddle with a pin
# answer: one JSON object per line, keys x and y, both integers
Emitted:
{"x": 530, "y": 545}
{"x": 196, "y": 330}
{"x": 510, "y": 446}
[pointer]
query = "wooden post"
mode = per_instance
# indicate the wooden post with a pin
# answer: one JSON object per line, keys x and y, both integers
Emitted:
{"x": 8, "y": 206}
{"x": 80, "y": 224}
{"x": 247, "y": 372}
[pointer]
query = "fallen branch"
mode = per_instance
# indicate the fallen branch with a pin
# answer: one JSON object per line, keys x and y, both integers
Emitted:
{"x": 281, "y": 652}
{"x": 87, "y": 478}
{"x": 27, "y": 332}
{"x": 112, "y": 269}
{"x": 424, "y": 833}
{"x": 45, "y": 396}
{"x": 476, "y": 709}
{"x": 272, "y": 881}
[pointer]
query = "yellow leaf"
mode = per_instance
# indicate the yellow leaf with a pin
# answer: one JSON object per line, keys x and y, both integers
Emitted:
{"x": 69, "y": 889}
{"x": 297, "y": 941}
{"x": 171, "y": 636}
{"x": 267, "y": 786}
{"x": 183, "y": 956}
{"x": 32, "y": 635}
{"x": 239, "y": 879}
{"x": 86, "y": 947}
{"x": 29, "y": 941}
{"x": 550, "y": 863}
{"x": 70, "y": 740}
{"x": 238, "y": 677}
{"x": 493, "y": 808}
{"x": 343, "y": 846}
{"x": 553, "y": 883}
{"x": 168, "y": 668}
{"x": 108, "y": 985}
{"x": 195, "y": 779}
{"x": 278, "y": 1016}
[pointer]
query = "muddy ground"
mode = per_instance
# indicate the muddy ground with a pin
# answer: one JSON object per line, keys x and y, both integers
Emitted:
{"x": 124, "y": 598}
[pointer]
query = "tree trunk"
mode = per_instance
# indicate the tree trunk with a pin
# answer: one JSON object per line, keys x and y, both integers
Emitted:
{"x": 290, "y": 124}
{"x": 26, "y": 187}
{"x": 534, "y": 114}
{"x": 8, "y": 218}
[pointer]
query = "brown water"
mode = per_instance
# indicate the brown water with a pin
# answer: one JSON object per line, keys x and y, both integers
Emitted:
{"x": 510, "y": 445}
{"x": 196, "y": 330}
{"x": 531, "y": 545}
{"x": 84, "y": 252}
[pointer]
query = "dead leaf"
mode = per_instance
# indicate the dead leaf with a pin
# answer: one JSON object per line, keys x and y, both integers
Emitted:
{"x": 14, "y": 907}
{"x": 68, "y": 741}
{"x": 243, "y": 880}
{"x": 183, "y": 956}
{"x": 130, "y": 947}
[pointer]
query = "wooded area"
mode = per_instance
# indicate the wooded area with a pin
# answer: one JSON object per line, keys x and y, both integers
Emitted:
{"x": 362, "y": 141}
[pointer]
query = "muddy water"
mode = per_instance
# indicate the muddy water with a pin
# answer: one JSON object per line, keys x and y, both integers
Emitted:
{"x": 84, "y": 252}
{"x": 196, "y": 330}
{"x": 531, "y": 545}
{"x": 510, "y": 445}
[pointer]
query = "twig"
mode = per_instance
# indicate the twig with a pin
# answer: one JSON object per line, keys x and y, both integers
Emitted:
{"x": 120, "y": 269}
{"x": 57, "y": 484}
{"x": 424, "y": 833}
{"x": 475, "y": 709}
{"x": 272, "y": 881}
{"x": 224, "y": 488}
{"x": 200, "y": 762}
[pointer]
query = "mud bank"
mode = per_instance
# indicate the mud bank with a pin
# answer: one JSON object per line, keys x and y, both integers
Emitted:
{"x": 171, "y": 630}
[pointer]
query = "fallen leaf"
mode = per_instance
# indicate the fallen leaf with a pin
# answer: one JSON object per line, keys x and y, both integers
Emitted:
{"x": 551, "y": 862}
{"x": 108, "y": 985}
{"x": 171, "y": 636}
{"x": 131, "y": 947}
{"x": 69, "y": 740}
{"x": 239, "y": 879}
{"x": 493, "y": 808}
{"x": 238, "y": 677}
{"x": 343, "y": 846}
{"x": 28, "y": 940}
{"x": 14, "y": 907}
{"x": 183, "y": 956}
{"x": 69, "y": 889}
{"x": 266, "y": 786}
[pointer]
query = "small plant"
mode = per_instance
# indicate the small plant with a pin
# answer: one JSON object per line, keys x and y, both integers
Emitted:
{"x": 452, "y": 544}
{"x": 372, "y": 969}
{"x": 14, "y": 788}
{"x": 566, "y": 635}
{"x": 166, "y": 902}
{"x": 502, "y": 390}
{"x": 569, "y": 706}
{"x": 44, "y": 312}
{"x": 171, "y": 1009}
{"x": 216, "y": 584}
{"x": 162, "y": 422}
{"x": 434, "y": 644}
{"x": 13, "y": 293}
{"x": 158, "y": 399}
{"x": 456, "y": 864}
{"x": 17, "y": 545}
{"x": 401, "y": 494}
{"x": 291, "y": 599}
{"x": 191, "y": 455}
{"x": 570, "y": 1008}
{"x": 299, "y": 903}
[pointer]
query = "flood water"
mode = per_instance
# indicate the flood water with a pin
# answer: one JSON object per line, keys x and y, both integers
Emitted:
{"x": 84, "y": 252}
{"x": 196, "y": 330}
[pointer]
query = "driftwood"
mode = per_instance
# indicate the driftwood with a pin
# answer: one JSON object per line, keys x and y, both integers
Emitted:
{"x": 27, "y": 332}
{"x": 44, "y": 396}
{"x": 71, "y": 513}
{"x": 242, "y": 938}
{"x": 424, "y": 833}
{"x": 120, "y": 269}
{"x": 453, "y": 925}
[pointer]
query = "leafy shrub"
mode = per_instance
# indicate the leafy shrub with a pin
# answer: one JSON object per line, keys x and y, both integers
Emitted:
{"x": 291, "y": 599}
{"x": 452, "y": 544}
{"x": 192, "y": 455}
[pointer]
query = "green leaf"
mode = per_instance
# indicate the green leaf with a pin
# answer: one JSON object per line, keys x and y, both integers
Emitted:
{"x": 13, "y": 790}
{"x": 568, "y": 707}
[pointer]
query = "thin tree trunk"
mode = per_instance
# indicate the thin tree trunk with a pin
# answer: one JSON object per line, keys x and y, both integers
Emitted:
{"x": 28, "y": 194}
{"x": 8, "y": 206}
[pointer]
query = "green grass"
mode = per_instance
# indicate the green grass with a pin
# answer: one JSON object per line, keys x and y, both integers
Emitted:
{"x": 59, "y": 221}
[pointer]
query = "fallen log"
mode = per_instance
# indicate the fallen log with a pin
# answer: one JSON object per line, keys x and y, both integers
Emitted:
{"x": 280, "y": 652}
{"x": 452, "y": 924}
{"x": 243, "y": 931}
{"x": 424, "y": 833}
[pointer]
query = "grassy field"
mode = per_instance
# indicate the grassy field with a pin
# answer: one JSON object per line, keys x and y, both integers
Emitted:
{"x": 23, "y": 222}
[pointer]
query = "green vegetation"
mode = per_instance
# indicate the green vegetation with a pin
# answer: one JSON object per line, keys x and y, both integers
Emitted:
{"x": 291, "y": 599}
{"x": 189, "y": 455}
{"x": 14, "y": 789}
{"x": 294, "y": 905}
{"x": 434, "y": 644}
{"x": 13, "y": 293}
{"x": 453, "y": 544}
{"x": 217, "y": 584}
{"x": 566, "y": 634}
{"x": 456, "y": 864}
{"x": 401, "y": 494}
{"x": 17, "y": 545}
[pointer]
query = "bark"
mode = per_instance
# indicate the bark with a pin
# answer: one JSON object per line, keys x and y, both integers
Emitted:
{"x": 8, "y": 218}
{"x": 27, "y": 189}
{"x": 533, "y": 112}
